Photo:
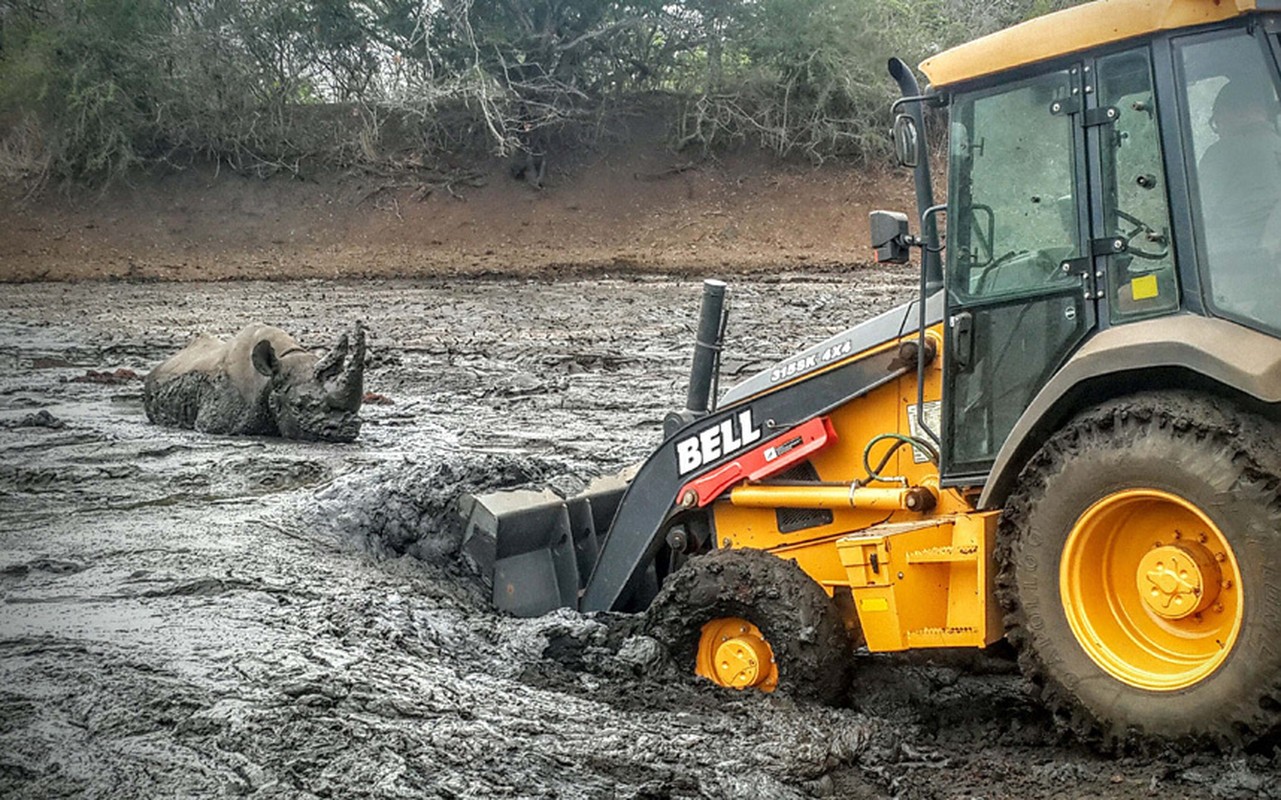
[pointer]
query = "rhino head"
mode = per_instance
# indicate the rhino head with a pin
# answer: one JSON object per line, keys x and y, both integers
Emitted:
{"x": 315, "y": 398}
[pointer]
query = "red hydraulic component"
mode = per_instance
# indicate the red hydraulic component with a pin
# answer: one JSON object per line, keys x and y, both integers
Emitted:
{"x": 771, "y": 458}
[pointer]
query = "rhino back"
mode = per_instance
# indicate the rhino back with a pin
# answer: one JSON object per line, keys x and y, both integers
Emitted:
{"x": 172, "y": 392}
{"x": 212, "y": 386}
{"x": 204, "y": 354}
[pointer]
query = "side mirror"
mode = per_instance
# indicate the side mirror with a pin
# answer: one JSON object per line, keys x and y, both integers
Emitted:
{"x": 890, "y": 237}
{"x": 907, "y": 141}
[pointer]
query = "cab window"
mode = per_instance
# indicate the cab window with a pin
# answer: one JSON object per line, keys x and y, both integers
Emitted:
{"x": 1141, "y": 280}
{"x": 1014, "y": 313}
{"x": 1013, "y": 187}
{"x": 1231, "y": 116}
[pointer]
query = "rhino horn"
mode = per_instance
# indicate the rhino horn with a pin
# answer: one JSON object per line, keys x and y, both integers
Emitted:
{"x": 350, "y": 390}
{"x": 332, "y": 362}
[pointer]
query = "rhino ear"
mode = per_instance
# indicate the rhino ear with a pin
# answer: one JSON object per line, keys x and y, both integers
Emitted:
{"x": 264, "y": 358}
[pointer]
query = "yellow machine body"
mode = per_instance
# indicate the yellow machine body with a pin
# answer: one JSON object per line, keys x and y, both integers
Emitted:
{"x": 919, "y": 576}
{"x": 925, "y": 584}
{"x": 915, "y": 578}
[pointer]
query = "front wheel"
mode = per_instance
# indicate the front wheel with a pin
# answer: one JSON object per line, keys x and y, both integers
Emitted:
{"x": 1142, "y": 571}
{"x": 745, "y": 619}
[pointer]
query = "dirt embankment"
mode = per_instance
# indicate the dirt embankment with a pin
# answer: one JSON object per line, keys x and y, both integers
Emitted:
{"x": 636, "y": 207}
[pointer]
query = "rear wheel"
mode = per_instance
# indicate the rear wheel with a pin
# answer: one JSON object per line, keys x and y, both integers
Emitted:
{"x": 745, "y": 619}
{"x": 1142, "y": 571}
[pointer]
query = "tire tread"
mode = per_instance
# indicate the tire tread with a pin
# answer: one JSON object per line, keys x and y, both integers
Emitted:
{"x": 1208, "y": 428}
{"x": 797, "y": 617}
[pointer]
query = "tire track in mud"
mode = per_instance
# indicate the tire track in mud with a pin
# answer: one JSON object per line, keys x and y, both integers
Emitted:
{"x": 191, "y": 615}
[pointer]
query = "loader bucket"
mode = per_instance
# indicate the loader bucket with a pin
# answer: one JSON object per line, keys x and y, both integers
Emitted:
{"x": 535, "y": 549}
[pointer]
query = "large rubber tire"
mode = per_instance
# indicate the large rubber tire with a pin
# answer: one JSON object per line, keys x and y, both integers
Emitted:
{"x": 797, "y": 618}
{"x": 1208, "y": 453}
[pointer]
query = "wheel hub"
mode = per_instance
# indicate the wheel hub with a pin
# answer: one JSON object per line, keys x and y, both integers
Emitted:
{"x": 1177, "y": 580}
{"x": 734, "y": 653}
{"x": 742, "y": 662}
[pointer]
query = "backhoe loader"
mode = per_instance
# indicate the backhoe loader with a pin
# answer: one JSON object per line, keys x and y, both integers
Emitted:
{"x": 1070, "y": 440}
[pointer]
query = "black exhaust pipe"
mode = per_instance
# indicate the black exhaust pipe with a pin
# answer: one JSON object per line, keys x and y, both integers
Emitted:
{"x": 707, "y": 348}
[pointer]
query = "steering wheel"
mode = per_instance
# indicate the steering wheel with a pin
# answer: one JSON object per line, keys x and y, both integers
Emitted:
{"x": 1038, "y": 269}
{"x": 1149, "y": 234}
{"x": 985, "y": 272}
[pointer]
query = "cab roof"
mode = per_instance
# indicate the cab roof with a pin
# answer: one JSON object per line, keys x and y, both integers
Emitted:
{"x": 1071, "y": 31}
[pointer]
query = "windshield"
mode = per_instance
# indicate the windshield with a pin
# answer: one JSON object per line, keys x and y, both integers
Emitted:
{"x": 1231, "y": 116}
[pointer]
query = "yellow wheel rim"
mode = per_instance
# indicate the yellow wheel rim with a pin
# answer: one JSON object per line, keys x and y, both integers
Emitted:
{"x": 734, "y": 653}
{"x": 1152, "y": 590}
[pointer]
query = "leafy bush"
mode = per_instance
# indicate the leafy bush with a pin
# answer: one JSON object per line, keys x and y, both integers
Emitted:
{"x": 86, "y": 73}
{"x": 91, "y": 88}
{"x": 797, "y": 75}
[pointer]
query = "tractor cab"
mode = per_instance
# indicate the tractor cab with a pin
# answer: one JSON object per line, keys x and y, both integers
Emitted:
{"x": 1123, "y": 167}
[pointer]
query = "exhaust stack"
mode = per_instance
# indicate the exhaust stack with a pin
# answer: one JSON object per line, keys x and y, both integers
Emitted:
{"x": 707, "y": 349}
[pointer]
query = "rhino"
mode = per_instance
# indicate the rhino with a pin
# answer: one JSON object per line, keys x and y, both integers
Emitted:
{"x": 261, "y": 383}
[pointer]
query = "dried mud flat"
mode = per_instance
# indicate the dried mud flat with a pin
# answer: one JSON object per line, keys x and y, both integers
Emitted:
{"x": 186, "y": 615}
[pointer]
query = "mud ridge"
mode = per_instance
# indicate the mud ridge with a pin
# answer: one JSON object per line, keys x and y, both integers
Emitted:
{"x": 411, "y": 508}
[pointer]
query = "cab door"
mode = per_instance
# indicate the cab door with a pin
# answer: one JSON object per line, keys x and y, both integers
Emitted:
{"x": 1020, "y": 277}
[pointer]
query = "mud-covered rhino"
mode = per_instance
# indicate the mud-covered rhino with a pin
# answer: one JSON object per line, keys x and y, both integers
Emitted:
{"x": 261, "y": 383}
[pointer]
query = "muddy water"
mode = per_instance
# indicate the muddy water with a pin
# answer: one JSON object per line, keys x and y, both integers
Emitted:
{"x": 186, "y": 615}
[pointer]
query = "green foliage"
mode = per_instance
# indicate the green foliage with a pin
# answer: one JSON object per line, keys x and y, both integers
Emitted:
{"x": 87, "y": 71}
{"x": 805, "y": 75}
{"x": 263, "y": 84}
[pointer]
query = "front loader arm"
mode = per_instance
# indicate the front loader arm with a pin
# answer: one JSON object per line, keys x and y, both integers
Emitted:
{"x": 597, "y": 551}
{"x": 652, "y": 500}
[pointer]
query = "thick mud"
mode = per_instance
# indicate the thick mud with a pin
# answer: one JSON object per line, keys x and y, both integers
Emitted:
{"x": 192, "y": 615}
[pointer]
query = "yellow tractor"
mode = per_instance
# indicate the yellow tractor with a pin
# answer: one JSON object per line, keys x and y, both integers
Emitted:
{"x": 1071, "y": 439}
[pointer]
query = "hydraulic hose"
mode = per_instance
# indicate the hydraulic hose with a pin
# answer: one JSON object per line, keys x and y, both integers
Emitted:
{"x": 899, "y": 440}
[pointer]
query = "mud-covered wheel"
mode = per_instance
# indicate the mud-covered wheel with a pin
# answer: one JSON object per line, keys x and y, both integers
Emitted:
{"x": 748, "y": 620}
{"x": 1142, "y": 571}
